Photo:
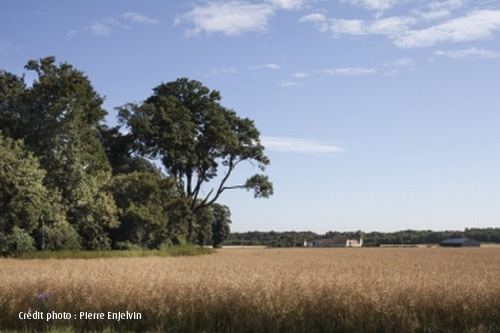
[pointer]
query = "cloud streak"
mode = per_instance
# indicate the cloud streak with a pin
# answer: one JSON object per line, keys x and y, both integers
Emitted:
{"x": 474, "y": 26}
{"x": 139, "y": 18}
{"x": 266, "y": 66}
{"x": 106, "y": 27}
{"x": 350, "y": 71}
{"x": 235, "y": 17}
{"x": 410, "y": 31}
{"x": 230, "y": 18}
{"x": 303, "y": 146}
{"x": 470, "y": 53}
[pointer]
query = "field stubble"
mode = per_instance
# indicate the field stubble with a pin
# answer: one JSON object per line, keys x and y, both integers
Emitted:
{"x": 265, "y": 290}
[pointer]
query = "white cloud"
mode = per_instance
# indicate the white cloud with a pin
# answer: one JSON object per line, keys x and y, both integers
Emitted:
{"x": 266, "y": 66}
{"x": 313, "y": 18}
{"x": 317, "y": 19}
{"x": 229, "y": 18}
{"x": 349, "y": 27}
{"x": 287, "y": 4}
{"x": 298, "y": 145}
{"x": 388, "y": 26}
{"x": 433, "y": 14}
{"x": 300, "y": 75}
{"x": 100, "y": 29}
{"x": 139, "y": 18}
{"x": 376, "y": 5}
{"x": 224, "y": 71}
{"x": 448, "y": 4}
{"x": 288, "y": 84}
{"x": 476, "y": 25}
{"x": 403, "y": 62}
{"x": 470, "y": 53}
{"x": 350, "y": 71}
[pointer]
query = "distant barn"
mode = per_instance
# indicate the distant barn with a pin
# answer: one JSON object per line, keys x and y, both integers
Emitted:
{"x": 460, "y": 242}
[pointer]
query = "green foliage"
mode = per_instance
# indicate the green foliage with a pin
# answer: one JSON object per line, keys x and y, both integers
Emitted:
{"x": 204, "y": 218}
{"x": 220, "y": 224}
{"x": 58, "y": 236}
{"x": 18, "y": 241}
{"x": 27, "y": 207}
{"x": 403, "y": 237}
{"x": 147, "y": 209}
{"x": 71, "y": 182}
{"x": 184, "y": 125}
{"x": 22, "y": 192}
{"x": 58, "y": 119}
{"x": 118, "y": 148}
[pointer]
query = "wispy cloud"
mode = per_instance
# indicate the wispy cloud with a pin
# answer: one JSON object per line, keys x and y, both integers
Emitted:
{"x": 266, "y": 66}
{"x": 107, "y": 26}
{"x": 229, "y": 18}
{"x": 287, "y": 4}
{"x": 350, "y": 71}
{"x": 285, "y": 84}
{"x": 417, "y": 28}
{"x": 224, "y": 71}
{"x": 390, "y": 26}
{"x": 100, "y": 29}
{"x": 475, "y": 25}
{"x": 234, "y": 17}
{"x": 298, "y": 145}
{"x": 403, "y": 62}
{"x": 377, "y": 5}
{"x": 300, "y": 75}
{"x": 139, "y": 18}
{"x": 470, "y": 53}
{"x": 71, "y": 34}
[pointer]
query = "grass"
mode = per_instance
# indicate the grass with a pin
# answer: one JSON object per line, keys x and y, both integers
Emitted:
{"x": 181, "y": 250}
{"x": 263, "y": 290}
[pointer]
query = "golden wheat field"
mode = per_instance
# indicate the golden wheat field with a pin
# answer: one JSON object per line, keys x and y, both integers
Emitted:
{"x": 260, "y": 290}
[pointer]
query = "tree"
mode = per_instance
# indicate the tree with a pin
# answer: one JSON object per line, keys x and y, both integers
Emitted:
{"x": 146, "y": 202}
{"x": 119, "y": 149}
{"x": 220, "y": 224}
{"x": 184, "y": 125}
{"x": 26, "y": 205}
{"x": 58, "y": 118}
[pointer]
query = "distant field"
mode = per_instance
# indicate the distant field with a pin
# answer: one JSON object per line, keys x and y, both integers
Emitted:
{"x": 263, "y": 290}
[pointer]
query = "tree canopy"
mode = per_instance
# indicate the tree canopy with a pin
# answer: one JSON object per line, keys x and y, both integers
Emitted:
{"x": 69, "y": 181}
{"x": 184, "y": 125}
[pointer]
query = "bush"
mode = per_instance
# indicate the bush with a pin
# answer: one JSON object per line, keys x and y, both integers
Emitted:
{"x": 16, "y": 243}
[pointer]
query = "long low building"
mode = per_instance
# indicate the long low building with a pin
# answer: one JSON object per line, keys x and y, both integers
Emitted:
{"x": 333, "y": 242}
{"x": 460, "y": 242}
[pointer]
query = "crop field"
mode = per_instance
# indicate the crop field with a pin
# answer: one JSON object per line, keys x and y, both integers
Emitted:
{"x": 259, "y": 290}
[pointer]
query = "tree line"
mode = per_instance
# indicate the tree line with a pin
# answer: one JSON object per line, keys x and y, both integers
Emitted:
{"x": 69, "y": 181}
{"x": 403, "y": 237}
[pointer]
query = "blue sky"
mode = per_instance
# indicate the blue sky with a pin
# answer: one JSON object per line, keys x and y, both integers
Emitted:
{"x": 376, "y": 114}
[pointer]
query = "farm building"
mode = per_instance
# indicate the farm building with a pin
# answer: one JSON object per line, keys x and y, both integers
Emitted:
{"x": 460, "y": 242}
{"x": 334, "y": 242}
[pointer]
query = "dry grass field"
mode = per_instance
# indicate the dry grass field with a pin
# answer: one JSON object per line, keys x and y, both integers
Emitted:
{"x": 262, "y": 290}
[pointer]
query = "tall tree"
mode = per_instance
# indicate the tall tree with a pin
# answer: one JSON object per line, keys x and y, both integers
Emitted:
{"x": 195, "y": 137}
{"x": 58, "y": 118}
{"x": 27, "y": 208}
{"x": 220, "y": 224}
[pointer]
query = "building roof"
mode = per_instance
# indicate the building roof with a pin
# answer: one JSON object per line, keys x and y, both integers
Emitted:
{"x": 455, "y": 241}
{"x": 459, "y": 241}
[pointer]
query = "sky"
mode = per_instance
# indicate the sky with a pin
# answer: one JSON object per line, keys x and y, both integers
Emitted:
{"x": 377, "y": 115}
